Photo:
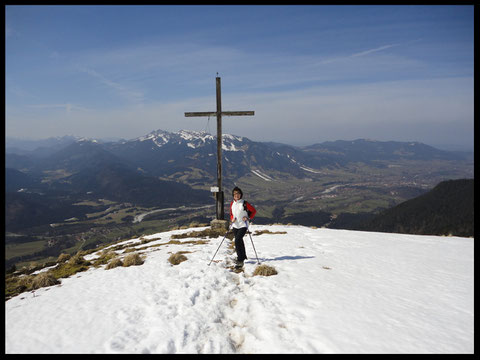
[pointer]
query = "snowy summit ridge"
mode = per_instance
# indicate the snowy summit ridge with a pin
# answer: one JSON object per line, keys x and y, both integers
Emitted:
{"x": 192, "y": 139}
{"x": 336, "y": 291}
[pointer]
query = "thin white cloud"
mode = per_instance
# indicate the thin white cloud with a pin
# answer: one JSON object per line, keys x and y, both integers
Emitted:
{"x": 132, "y": 95}
{"x": 338, "y": 60}
{"x": 370, "y": 51}
{"x": 68, "y": 107}
{"x": 140, "y": 73}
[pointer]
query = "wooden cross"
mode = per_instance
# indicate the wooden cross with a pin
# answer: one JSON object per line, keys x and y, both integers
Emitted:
{"x": 220, "y": 213}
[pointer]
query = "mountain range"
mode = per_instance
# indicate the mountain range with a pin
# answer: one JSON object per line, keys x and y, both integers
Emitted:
{"x": 163, "y": 169}
{"x": 163, "y": 154}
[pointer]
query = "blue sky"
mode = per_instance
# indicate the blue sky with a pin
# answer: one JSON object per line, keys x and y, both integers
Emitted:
{"x": 310, "y": 73}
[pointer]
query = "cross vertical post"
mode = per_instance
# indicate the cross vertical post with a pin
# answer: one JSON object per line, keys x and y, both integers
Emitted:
{"x": 220, "y": 212}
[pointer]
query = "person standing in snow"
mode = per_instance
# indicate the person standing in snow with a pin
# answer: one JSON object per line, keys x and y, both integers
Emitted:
{"x": 240, "y": 212}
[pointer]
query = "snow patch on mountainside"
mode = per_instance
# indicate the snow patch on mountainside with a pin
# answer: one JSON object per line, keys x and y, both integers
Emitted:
{"x": 262, "y": 175}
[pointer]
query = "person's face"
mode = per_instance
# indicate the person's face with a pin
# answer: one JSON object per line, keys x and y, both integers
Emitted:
{"x": 236, "y": 195}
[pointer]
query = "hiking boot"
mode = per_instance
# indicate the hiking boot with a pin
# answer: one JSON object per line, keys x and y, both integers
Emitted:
{"x": 238, "y": 263}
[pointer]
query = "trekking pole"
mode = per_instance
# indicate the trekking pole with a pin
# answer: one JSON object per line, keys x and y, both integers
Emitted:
{"x": 219, "y": 246}
{"x": 249, "y": 233}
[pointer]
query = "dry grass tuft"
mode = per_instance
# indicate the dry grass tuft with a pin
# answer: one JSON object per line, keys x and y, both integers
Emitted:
{"x": 75, "y": 264}
{"x": 24, "y": 283}
{"x": 177, "y": 258}
{"x": 114, "y": 263}
{"x": 260, "y": 232}
{"x": 104, "y": 258}
{"x": 25, "y": 280}
{"x": 265, "y": 270}
{"x": 146, "y": 241}
{"x": 78, "y": 259}
{"x": 203, "y": 234}
{"x": 132, "y": 259}
{"x": 63, "y": 257}
{"x": 44, "y": 279}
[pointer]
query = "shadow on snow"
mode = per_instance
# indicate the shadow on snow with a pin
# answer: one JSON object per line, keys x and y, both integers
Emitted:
{"x": 280, "y": 258}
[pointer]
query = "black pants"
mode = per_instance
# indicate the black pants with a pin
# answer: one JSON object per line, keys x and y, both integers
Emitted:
{"x": 239, "y": 245}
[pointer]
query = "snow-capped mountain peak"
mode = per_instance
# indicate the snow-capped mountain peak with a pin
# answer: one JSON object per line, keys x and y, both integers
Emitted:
{"x": 159, "y": 137}
{"x": 190, "y": 135}
{"x": 87, "y": 140}
{"x": 192, "y": 139}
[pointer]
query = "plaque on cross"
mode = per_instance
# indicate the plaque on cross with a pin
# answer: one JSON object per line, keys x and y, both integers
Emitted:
{"x": 220, "y": 213}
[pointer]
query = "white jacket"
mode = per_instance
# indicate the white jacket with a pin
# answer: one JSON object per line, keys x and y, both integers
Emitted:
{"x": 237, "y": 213}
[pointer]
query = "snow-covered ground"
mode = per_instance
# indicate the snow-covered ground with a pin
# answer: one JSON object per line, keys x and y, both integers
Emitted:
{"x": 336, "y": 291}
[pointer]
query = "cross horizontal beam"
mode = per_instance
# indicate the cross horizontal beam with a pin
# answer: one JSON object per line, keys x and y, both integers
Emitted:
{"x": 187, "y": 114}
{"x": 238, "y": 113}
{"x": 223, "y": 113}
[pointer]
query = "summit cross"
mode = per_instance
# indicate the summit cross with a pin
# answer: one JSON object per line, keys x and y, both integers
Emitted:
{"x": 220, "y": 213}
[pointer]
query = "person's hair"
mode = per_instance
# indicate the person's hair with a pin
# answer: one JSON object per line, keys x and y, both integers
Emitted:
{"x": 236, "y": 188}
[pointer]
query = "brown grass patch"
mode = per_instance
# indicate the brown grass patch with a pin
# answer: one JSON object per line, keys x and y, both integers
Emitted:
{"x": 114, "y": 263}
{"x": 63, "y": 257}
{"x": 265, "y": 270}
{"x": 78, "y": 259}
{"x": 132, "y": 259}
{"x": 104, "y": 258}
{"x": 44, "y": 279}
{"x": 203, "y": 234}
{"x": 260, "y": 232}
{"x": 177, "y": 258}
